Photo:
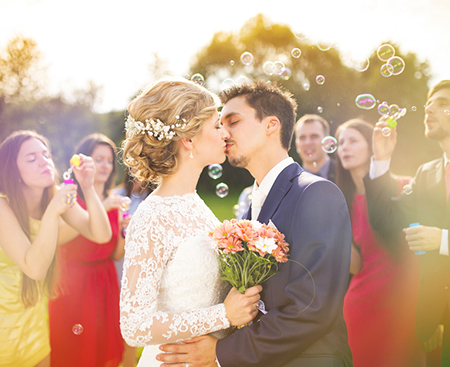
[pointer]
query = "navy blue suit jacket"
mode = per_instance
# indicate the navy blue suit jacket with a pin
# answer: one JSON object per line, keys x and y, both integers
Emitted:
{"x": 304, "y": 325}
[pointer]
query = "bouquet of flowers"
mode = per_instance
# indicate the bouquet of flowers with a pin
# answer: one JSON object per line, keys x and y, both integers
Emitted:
{"x": 249, "y": 252}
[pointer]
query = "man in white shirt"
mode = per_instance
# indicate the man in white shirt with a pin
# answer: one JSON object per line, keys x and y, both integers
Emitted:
{"x": 422, "y": 212}
{"x": 304, "y": 324}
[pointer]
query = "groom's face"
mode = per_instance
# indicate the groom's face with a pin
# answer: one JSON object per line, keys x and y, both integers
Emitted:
{"x": 246, "y": 132}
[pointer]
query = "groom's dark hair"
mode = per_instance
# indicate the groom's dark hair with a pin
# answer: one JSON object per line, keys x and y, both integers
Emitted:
{"x": 267, "y": 99}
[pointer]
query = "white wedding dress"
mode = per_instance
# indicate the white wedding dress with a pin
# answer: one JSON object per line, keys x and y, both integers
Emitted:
{"x": 171, "y": 287}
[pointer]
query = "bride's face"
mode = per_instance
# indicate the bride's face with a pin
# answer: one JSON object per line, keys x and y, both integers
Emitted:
{"x": 209, "y": 144}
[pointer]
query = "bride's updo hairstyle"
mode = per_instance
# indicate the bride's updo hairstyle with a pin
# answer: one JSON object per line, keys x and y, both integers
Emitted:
{"x": 168, "y": 110}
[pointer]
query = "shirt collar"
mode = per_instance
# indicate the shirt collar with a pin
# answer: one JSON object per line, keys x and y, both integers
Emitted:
{"x": 272, "y": 175}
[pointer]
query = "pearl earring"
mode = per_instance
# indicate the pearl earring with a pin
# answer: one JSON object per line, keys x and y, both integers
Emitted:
{"x": 190, "y": 155}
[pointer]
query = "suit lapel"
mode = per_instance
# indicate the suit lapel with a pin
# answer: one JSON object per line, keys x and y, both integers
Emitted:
{"x": 280, "y": 188}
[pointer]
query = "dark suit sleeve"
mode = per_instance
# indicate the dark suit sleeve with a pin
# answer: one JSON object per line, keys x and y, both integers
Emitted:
{"x": 317, "y": 227}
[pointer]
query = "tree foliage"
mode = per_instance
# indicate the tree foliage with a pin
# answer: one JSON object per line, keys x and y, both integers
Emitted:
{"x": 220, "y": 61}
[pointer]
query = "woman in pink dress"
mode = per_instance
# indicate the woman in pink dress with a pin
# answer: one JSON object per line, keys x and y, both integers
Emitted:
{"x": 84, "y": 320}
{"x": 380, "y": 304}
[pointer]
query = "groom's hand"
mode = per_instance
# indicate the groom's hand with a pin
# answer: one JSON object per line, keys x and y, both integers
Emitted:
{"x": 197, "y": 352}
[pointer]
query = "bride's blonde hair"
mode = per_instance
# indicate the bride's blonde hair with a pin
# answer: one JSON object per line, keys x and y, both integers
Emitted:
{"x": 180, "y": 105}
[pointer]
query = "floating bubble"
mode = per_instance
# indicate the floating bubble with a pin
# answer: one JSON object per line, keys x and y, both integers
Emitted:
{"x": 385, "y": 131}
{"x": 320, "y": 79}
{"x": 323, "y": 46}
{"x": 387, "y": 70}
{"x": 385, "y": 52}
{"x": 365, "y": 101}
{"x": 232, "y": 62}
{"x": 306, "y": 86}
{"x": 407, "y": 189}
{"x": 300, "y": 36}
{"x": 393, "y": 109}
{"x": 125, "y": 203}
{"x": 198, "y": 78}
{"x": 296, "y": 53}
{"x": 398, "y": 65}
{"x": 278, "y": 67}
{"x": 418, "y": 75}
{"x": 242, "y": 79}
{"x": 286, "y": 73}
{"x": 329, "y": 144}
{"x": 268, "y": 67}
{"x": 77, "y": 329}
{"x": 227, "y": 83}
{"x": 361, "y": 65}
{"x": 315, "y": 164}
{"x": 338, "y": 104}
{"x": 222, "y": 190}
{"x": 414, "y": 108}
{"x": 447, "y": 112}
{"x": 319, "y": 109}
{"x": 246, "y": 58}
{"x": 383, "y": 109}
{"x": 215, "y": 171}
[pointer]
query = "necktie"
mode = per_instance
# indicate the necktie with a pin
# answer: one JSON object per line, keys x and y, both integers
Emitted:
{"x": 447, "y": 180}
{"x": 258, "y": 198}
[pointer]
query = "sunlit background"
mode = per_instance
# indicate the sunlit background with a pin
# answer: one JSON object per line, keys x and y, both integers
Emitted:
{"x": 88, "y": 58}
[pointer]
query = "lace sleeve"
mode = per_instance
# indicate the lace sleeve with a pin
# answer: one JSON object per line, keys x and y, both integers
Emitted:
{"x": 149, "y": 246}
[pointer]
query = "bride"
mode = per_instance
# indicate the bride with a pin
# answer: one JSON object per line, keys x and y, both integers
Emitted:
{"x": 171, "y": 287}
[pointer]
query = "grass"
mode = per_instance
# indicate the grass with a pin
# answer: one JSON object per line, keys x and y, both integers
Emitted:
{"x": 221, "y": 207}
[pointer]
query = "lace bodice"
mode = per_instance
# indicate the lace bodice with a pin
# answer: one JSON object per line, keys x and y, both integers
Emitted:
{"x": 171, "y": 287}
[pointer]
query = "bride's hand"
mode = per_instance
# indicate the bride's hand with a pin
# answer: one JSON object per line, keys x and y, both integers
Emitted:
{"x": 242, "y": 308}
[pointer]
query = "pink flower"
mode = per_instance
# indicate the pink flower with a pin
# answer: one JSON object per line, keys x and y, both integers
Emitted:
{"x": 223, "y": 230}
{"x": 231, "y": 244}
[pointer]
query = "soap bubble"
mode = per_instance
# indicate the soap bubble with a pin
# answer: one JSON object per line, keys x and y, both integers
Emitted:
{"x": 77, "y": 329}
{"x": 387, "y": 70}
{"x": 407, "y": 189}
{"x": 361, "y": 65}
{"x": 447, "y": 112}
{"x": 232, "y": 62}
{"x": 222, "y": 190}
{"x": 125, "y": 203}
{"x": 198, "y": 78}
{"x": 365, "y": 101}
{"x": 385, "y": 131}
{"x": 414, "y": 108}
{"x": 383, "y": 109}
{"x": 306, "y": 86}
{"x": 385, "y": 52}
{"x": 278, "y": 67}
{"x": 329, "y": 144}
{"x": 320, "y": 79}
{"x": 268, "y": 67}
{"x": 323, "y": 47}
{"x": 319, "y": 109}
{"x": 215, "y": 171}
{"x": 246, "y": 58}
{"x": 393, "y": 109}
{"x": 296, "y": 53}
{"x": 227, "y": 83}
{"x": 398, "y": 65}
{"x": 286, "y": 73}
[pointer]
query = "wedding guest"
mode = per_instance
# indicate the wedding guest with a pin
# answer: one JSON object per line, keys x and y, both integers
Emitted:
{"x": 309, "y": 133}
{"x": 84, "y": 320}
{"x": 427, "y": 205}
{"x": 379, "y": 307}
{"x": 137, "y": 191}
{"x": 31, "y": 208}
{"x": 171, "y": 286}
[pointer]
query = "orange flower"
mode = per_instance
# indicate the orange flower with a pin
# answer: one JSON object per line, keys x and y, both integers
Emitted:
{"x": 231, "y": 244}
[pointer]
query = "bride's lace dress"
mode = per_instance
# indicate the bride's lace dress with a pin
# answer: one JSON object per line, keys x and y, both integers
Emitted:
{"x": 171, "y": 287}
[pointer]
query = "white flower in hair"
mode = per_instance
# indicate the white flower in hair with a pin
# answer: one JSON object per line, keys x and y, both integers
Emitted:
{"x": 153, "y": 128}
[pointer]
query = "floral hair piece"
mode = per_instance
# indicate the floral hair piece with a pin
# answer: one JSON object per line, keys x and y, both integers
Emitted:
{"x": 153, "y": 128}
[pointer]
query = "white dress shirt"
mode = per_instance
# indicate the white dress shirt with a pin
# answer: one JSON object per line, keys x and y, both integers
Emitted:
{"x": 267, "y": 183}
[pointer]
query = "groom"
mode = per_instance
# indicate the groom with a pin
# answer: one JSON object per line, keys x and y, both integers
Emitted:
{"x": 304, "y": 325}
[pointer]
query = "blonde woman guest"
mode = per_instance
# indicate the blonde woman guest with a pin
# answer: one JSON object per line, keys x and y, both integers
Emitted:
{"x": 171, "y": 287}
{"x": 31, "y": 208}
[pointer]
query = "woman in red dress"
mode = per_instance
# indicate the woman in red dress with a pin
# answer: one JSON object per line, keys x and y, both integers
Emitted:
{"x": 84, "y": 319}
{"x": 380, "y": 304}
